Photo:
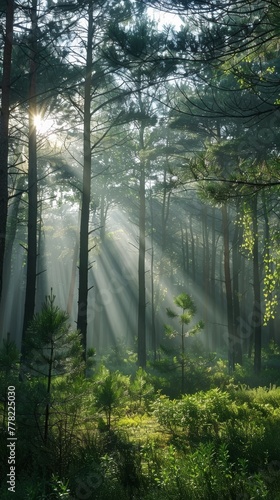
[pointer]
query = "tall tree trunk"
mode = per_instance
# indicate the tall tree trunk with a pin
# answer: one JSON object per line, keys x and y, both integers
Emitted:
{"x": 256, "y": 316}
{"x": 4, "y": 131}
{"x": 70, "y": 299}
{"x": 243, "y": 326}
{"x": 41, "y": 283}
{"x": 165, "y": 210}
{"x": 206, "y": 268}
{"x": 141, "y": 261}
{"x": 31, "y": 267}
{"x": 73, "y": 277}
{"x": 222, "y": 300}
{"x": 153, "y": 317}
{"x": 103, "y": 214}
{"x": 229, "y": 301}
{"x": 8, "y": 273}
{"x": 192, "y": 251}
{"x": 213, "y": 279}
{"x": 12, "y": 227}
{"x": 237, "y": 354}
{"x": 86, "y": 191}
{"x": 187, "y": 255}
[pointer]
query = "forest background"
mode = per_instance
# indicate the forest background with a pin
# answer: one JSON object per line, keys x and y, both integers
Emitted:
{"x": 139, "y": 160}
{"x": 139, "y": 166}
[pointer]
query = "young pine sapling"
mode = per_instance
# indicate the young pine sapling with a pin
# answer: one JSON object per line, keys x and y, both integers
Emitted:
{"x": 188, "y": 310}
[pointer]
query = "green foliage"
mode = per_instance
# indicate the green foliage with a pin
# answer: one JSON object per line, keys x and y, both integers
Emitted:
{"x": 244, "y": 420}
{"x": 271, "y": 260}
{"x": 110, "y": 391}
{"x": 271, "y": 276}
{"x": 209, "y": 444}
{"x": 185, "y": 302}
{"x": 169, "y": 331}
{"x": 205, "y": 473}
{"x": 51, "y": 347}
{"x": 199, "y": 415}
{"x": 170, "y": 313}
{"x": 47, "y": 414}
{"x": 9, "y": 371}
{"x": 121, "y": 468}
{"x": 202, "y": 370}
{"x": 246, "y": 222}
{"x": 141, "y": 389}
{"x": 60, "y": 489}
{"x": 120, "y": 357}
{"x": 9, "y": 359}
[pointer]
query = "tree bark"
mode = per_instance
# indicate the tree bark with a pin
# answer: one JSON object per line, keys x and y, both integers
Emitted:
{"x": 165, "y": 210}
{"x": 103, "y": 214}
{"x": 213, "y": 281}
{"x": 153, "y": 312}
{"x": 31, "y": 268}
{"x": 4, "y": 131}
{"x": 192, "y": 251}
{"x": 8, "y": 272}
{"x": 141, "y": 261}
{"x": 206, "y": 268}
{"x": 73, "y": 277}
{"x": 86, "y": 191}
{"x": 229, "y": 301}
{"x": 238, "y": 347}
{"x": 256, "y": 316}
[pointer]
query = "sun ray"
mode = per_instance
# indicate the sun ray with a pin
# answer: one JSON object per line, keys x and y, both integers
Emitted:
{"x": 43, "y": 125}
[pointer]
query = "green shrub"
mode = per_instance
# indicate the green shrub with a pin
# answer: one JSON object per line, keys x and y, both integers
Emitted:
{"x": 141, "y": 390}
{"x": 110, "y": 392}
{"x": 197, "y": 416}
{"x": 207, "y": 473}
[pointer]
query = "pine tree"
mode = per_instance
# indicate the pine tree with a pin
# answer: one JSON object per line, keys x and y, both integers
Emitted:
{"x": 51, "y": 349}
{"x": 186, "y": 304}
{"x": 4, "y": 129}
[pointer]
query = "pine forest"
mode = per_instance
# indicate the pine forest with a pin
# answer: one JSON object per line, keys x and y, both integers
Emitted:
{"x": 139, "y": 250}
